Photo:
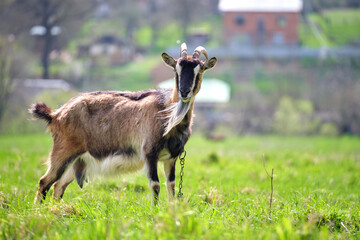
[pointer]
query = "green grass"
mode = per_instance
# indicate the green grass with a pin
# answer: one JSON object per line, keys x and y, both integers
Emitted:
{"x": 316, "y": 194}
{"x": 338, "y": 27}
{"x": 132, "y": 76}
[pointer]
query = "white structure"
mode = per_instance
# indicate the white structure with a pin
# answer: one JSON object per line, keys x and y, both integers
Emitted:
{"x": 212, "y": 90}
{"x": 260, "y": 5}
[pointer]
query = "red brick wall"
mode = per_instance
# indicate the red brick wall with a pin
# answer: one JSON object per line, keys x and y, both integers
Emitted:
{"x": 271, "y": 26}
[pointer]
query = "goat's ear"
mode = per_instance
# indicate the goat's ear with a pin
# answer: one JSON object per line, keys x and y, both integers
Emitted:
{"x": 210, "y": 63}
{"x": 168, "y": 60}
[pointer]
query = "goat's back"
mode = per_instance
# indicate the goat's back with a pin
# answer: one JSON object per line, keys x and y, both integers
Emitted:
{"x": 104, "y": 122}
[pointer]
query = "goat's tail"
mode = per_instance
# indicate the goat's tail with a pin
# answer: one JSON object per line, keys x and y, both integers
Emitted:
{"x": 41, "y": 111}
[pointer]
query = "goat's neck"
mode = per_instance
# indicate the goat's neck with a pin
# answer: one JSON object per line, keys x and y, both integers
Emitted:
{"x": 174, "y": 98}
{"x": 188, "y": 117}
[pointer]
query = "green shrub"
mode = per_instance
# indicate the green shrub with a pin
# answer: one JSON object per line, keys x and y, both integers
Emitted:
{"x": 143, "y": 36}
{"x": 329, "y": 130}
{"x": 294, "y": 117}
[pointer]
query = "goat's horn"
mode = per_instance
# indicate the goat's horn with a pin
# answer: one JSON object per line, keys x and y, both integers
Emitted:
{"x": 183, "y": 51}
{"x": 200, "y": 50}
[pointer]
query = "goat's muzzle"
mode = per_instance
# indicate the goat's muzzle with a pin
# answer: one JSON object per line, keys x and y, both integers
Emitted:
{"x": 185, "y": 95}
{"x": 185, "y": 99}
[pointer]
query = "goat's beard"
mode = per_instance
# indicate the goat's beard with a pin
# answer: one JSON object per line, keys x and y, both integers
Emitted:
{"x": 174, "y": 114}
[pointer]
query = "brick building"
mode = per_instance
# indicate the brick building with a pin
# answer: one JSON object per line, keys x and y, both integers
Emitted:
{"x": 261, "y": 22}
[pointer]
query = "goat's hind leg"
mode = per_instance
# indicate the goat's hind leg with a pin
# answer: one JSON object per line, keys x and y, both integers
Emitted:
{"x": 59, "y": 160}
{"x": 78, "y": 170}
{"x": 63, "y": 182}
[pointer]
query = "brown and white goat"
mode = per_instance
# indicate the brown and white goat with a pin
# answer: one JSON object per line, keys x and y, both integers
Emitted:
{"x": 108, "y": 132}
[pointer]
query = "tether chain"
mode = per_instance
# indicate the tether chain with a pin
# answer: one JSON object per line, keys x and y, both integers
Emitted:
{"x": 182, "y": 163}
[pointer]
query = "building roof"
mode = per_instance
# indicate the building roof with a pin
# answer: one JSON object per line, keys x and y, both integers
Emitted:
{"x": 260, "y": 5}
{"x": 212, "y": 90}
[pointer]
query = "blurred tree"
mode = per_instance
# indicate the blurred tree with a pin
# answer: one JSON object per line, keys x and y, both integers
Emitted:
{"x": 188, "y": 11}
{"x": 127, "y": 12}
{"x": 5, "y": 81}
{"x": 11, "y": 66}
{"x": 158, "y": 16}
{"x": 353, "y": 3}
{"x": 54, "y": 16}
{"x": 10, "y": 21}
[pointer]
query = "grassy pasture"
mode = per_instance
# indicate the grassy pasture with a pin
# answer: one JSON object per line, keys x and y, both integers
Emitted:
{"x": 316, "y": 194}
{"x": 338, "y": 27}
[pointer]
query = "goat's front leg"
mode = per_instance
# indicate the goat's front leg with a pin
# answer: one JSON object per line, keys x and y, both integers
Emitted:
{"x": 153, "y": 177}
{"x": 169, "y": 169}
{"x": 154, "y": 182}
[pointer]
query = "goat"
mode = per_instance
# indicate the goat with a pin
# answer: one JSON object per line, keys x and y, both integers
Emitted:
{"x": 110, "y": 132}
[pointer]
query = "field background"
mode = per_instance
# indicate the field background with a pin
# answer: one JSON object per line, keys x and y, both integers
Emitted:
{"x": 312, "y": 103}
{"x": 316, "y": 193}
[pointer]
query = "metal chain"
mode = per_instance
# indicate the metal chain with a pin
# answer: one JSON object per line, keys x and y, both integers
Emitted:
{"x": 182, "y": 163}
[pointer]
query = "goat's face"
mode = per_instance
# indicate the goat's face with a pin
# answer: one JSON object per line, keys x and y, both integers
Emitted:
{"x": 188, "y": 71}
